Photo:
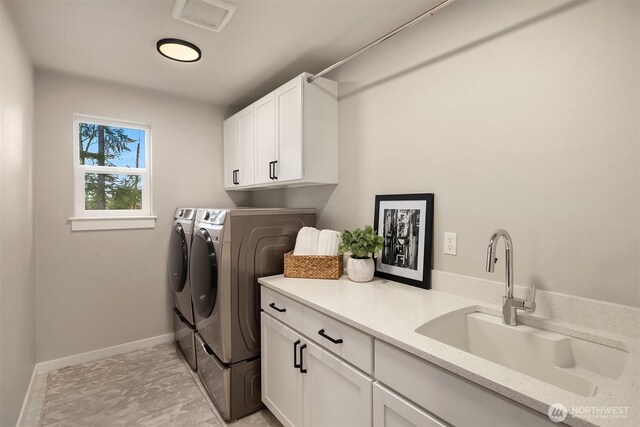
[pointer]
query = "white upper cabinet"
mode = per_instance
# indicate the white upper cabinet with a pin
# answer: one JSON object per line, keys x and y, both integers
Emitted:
{"x": 266, "y": 143}
{"x": 295, "y": 137}
{"x": 289, "y": 166}
{"x": 246, "y": 147}
{"x": 239, "y": 147}
{"x": 231, "y": 151}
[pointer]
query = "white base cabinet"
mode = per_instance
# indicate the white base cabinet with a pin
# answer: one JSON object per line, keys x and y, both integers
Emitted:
{"x": 335, "y": 394}
{"x": 391, "y": 410}
{"x": 281, "y": 379}
{"x": 455, "y": 400}
{"x": 318, "y": 371}
{"x": 304, "y": 385}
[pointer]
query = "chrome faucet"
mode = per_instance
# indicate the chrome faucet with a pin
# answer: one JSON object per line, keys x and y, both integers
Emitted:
{"x": 509, "y": 303}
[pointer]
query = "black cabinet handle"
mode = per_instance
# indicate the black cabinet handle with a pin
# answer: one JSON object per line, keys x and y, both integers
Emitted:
{"x": 302, "y": 369}
{"x": 295, "y": 354}
{"x": 270, "y": 170}
{"x": 279, "y": 310}
{"x": 237, "y": 176}
{"x": 333, "y": 340}
{"x": 275, "y": 162}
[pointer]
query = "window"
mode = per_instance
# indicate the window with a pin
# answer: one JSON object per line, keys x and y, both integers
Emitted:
{"x": 112, "y": 174}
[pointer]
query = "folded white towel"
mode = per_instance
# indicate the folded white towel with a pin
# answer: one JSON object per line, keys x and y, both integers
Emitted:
{"x": 307, "y": 241}
{"x": 328, "y": 243}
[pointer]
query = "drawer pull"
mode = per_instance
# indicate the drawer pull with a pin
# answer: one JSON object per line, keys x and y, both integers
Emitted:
{"x": 204, "y": 345}
{"x": 302, "y": 369}
{"x": 333, "y": 340}
{"x": 295, "y": 354}
{"x": 279, "y": 310}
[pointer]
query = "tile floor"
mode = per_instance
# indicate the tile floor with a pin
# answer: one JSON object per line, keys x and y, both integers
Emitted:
{"x": 146, "y": 387}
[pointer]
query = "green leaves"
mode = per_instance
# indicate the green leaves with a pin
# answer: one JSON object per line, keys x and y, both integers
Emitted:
{"x": 361, "y": 243}
{"x": 112, "y": 191}
{"x": 99, "y": 144}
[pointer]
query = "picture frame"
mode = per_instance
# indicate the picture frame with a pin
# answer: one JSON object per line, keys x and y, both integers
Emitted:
{"x": 406, "y": 223}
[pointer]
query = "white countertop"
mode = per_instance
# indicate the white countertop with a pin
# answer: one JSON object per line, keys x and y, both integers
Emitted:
{"x": 391, "y": 312}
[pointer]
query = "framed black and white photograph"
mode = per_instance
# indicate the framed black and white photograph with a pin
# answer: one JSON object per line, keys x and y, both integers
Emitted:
{"x": 406, "y": 223}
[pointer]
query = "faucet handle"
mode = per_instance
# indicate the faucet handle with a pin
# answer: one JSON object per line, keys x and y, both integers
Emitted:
{"x": 530, "y": 304}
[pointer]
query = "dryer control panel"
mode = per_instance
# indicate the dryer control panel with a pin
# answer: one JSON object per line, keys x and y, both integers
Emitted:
{"x": 184, "y": 213}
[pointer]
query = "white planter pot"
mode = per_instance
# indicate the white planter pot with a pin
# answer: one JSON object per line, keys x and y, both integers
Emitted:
{"x": 361, "y": 270}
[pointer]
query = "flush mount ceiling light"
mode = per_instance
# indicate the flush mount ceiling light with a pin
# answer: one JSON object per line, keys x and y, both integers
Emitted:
{"x": 179, "y": 50}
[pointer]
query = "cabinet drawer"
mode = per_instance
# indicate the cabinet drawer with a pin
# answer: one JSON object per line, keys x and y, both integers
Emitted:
{"x": 449, "y": 396}
{"x": 283, "y": 308}
{"x": 350, "y": 344}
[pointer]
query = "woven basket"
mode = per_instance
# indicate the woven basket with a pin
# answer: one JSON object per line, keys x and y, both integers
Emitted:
{"x": 312, "y": 266}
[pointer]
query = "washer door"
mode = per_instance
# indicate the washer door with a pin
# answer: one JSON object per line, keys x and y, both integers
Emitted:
{"x": 178, "y": 258}
{"x": 203, "y": 273}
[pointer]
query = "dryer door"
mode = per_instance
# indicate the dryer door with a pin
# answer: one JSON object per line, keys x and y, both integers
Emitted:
{"x": 178, "y": 258}
{"x": 203, "y": 274}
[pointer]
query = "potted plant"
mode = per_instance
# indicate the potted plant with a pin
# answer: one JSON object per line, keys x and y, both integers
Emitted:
{"x": 363, "y": 246}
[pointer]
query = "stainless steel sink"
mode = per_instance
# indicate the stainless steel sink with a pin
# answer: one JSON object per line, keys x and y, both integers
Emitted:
{"x": 579, "y": 366}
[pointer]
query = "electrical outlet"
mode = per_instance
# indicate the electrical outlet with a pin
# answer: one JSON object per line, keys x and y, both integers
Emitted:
{"x": 450, "y": 243}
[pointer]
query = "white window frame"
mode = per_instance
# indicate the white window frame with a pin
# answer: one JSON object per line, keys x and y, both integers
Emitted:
{"x": 84, "y": 219}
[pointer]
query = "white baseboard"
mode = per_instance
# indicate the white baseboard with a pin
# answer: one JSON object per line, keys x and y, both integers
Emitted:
{"x": 77, "y": 359}
{"x": 27, "y": 397}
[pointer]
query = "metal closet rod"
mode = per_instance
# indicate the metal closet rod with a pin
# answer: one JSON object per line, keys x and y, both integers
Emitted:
{"x": 390, "y": 34}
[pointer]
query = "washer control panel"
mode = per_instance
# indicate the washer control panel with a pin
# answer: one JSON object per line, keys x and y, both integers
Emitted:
{"x": 211, "y": 216}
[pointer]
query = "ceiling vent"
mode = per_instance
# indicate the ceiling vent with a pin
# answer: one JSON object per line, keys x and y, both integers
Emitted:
{"x": 210, "y": 14}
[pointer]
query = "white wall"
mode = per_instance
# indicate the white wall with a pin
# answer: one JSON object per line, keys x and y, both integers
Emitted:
{"x": 516, "y": 114}
{"x": 97, "y": 289}
{"x": 17, "y": 266}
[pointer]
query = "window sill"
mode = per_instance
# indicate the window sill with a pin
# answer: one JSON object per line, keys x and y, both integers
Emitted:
{"x": 112, "y": 223}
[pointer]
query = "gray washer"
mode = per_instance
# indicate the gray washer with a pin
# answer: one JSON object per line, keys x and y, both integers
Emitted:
{"x": 231, "y": 249}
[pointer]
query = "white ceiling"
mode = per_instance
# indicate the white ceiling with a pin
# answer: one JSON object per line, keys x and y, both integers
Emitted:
{"x": 266, "y": 42}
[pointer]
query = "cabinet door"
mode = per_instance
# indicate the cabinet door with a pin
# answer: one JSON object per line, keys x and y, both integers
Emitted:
{"x": 335, "y": 394}
{"x": 231, "y": 151}
{"x": 265, "y": 111}
{"x": 444, "y": 393}
{"x": 281, "y": 381}
{"x": 246, "y": 145}
{"x": 288, "y": 100}
{"x": 391, "y": 410}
